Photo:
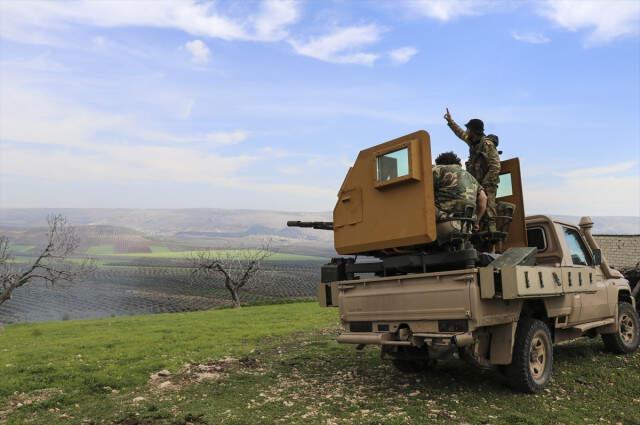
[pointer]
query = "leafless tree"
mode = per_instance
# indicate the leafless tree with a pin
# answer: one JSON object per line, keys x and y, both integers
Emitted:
{"x": 237, "y": 267}
{"x": 49, "y": 266}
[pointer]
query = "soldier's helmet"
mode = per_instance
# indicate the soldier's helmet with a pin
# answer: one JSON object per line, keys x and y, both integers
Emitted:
{"x": 494, "y": 139}
{"x": 475, "y": 125}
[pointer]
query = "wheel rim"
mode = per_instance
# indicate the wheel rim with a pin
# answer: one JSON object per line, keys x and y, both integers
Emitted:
{"x": 538, "y": 357}
{"x": 627, "y": 328}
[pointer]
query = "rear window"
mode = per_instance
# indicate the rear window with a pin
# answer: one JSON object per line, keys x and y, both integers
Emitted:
{"x": 537, "y": 238}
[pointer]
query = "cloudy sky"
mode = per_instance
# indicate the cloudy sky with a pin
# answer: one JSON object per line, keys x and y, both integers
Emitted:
{"x": 264, "y": 104}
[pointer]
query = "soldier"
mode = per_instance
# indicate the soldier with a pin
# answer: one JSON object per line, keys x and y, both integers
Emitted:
{"x": 483, "y": 163}
{"x": 455, "y": 189}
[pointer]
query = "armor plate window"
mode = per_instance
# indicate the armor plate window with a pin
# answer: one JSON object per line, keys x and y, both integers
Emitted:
{"x": 393, "y": 165}
{"x": 505, "y": 187}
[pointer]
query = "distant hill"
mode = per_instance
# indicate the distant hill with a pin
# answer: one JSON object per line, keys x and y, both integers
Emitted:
{"x": 137, "y": 230}
{"x": 176, "y": 229}
{"x": 227, "y": 222}
{"x": 164, "y": 221}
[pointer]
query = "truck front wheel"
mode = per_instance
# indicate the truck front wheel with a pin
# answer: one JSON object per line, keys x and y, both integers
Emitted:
{"x": 627, "y": 339}
{"x": 532, "y": 361}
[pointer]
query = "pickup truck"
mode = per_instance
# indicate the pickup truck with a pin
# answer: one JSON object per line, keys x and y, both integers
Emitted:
{"x": 419, "y": 299}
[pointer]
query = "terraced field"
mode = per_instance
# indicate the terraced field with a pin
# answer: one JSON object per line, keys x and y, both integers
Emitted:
{"x": 153, "y": 285}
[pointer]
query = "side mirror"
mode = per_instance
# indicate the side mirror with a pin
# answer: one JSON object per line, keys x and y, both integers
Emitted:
{"x": 597, "y": 257}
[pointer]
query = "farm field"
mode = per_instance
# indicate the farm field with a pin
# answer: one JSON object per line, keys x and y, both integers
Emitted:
{"x": 279, "y": 364}
{"x": 134, "y": 285}
{"x": 160, "y": 251}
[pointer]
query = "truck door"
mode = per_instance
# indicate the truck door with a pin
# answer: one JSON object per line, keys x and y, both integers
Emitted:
{"x": 583, "y": 278}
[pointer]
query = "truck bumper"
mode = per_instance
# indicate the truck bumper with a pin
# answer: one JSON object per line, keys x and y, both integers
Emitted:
{"x": 415, "y": 340}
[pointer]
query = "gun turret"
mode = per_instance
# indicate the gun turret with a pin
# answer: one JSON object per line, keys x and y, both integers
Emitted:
{"x": 320, "y": 225}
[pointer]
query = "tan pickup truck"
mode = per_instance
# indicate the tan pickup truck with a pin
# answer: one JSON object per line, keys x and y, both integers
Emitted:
{"x": 421, "y": 298}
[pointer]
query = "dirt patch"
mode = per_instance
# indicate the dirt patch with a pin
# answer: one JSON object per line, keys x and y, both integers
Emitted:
{"x": 212, "y": 370}
{"x": 132, "y": 420}
{"x": 27, "y": 399}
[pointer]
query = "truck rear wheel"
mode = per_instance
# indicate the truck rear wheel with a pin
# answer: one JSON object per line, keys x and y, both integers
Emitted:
{"x": 532, "y": 362}
{"x": 627, "y": 339}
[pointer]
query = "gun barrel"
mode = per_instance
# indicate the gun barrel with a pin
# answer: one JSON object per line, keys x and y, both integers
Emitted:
{"x": 320, "y": 225}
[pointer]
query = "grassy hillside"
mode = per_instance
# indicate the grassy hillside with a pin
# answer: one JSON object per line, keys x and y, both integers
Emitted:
{"x": 278, "y": 364}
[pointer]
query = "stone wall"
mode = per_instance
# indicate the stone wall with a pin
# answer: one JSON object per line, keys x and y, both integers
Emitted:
{"x": 621, "y": 251}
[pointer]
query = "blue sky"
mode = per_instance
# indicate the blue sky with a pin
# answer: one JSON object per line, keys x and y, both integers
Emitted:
{"x": 265, "y": 104}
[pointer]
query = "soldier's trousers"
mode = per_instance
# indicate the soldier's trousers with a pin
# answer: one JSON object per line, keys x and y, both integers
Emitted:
{"x": 489, "y": 218}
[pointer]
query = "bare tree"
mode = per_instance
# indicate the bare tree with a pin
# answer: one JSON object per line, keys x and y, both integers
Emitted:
{"x": 237, "y": 267}
{"x": 49, "y": 266}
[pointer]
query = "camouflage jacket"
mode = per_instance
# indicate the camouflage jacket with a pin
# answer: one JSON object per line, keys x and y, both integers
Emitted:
{"x": 454, "y": 188}
{"x": 484, "y": 160}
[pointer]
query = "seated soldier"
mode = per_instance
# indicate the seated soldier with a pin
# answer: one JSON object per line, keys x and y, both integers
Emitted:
{"x": 457, "y": 194}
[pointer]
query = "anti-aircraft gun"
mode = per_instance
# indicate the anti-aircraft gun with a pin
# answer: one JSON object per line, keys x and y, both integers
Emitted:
{"x": 386, "y": 210}
{"x": 421, "y": 295}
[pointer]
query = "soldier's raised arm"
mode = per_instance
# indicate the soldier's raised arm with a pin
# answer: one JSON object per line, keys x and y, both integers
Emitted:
{"x": 457, "y": 130}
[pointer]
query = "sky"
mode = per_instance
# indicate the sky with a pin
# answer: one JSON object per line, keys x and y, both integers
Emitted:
{"x": 265, "y": 104}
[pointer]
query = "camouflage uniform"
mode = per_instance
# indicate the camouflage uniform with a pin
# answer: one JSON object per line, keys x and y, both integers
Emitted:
{"x": 484, "y": 165}
{"x": 454, "y": 190}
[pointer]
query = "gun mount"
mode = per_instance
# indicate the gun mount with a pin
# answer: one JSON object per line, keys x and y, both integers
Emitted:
{"x": 386, "y": 209}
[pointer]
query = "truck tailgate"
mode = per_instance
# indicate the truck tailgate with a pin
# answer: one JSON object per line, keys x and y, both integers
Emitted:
{"x": 428, "y": 296}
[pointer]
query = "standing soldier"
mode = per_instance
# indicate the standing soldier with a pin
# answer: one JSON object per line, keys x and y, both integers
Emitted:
{"x": 483, "y": 163}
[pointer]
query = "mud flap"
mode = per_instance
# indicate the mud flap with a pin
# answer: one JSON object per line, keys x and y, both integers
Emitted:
{"x": 502, "y": 340}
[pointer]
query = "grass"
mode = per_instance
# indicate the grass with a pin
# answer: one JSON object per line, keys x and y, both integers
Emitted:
{"x": 291, "y": 371}
{"x": 159, "y": 248}
{"x": 100, "y": 250}
{"x": 21, "y": 249}
{"x": 160, "y": 253}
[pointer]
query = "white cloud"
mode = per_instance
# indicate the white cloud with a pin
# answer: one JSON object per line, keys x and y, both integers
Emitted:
{"x": 275, "y": 17}
{"x": 530, "y": 37}
{"x": 602, "y": 171}
{"x": 446, "y": 10}
{"x": 75, "y": 144}
{"x": 607, "y": 190}
{"x": 199, "y": 51}
{"x": 605, "y": 20}
{"x": 342, "y": 45}
{"x": 42, "y": 22}
{"x": 402, "y": 54}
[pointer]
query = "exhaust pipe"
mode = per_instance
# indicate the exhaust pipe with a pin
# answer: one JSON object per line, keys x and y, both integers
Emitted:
{"x": 586, "y": 224}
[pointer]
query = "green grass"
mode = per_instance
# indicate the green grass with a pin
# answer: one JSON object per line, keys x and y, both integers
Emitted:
{"x": 163, "y": 252}
{"x": 21, "y": 249}
{"x": 156, "y": 249}
{"x": 295, "y": 373}
{"x": 100, "y": 250}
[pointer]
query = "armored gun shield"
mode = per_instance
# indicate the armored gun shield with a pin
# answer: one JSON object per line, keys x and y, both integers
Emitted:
{"x": 386, "y": 200}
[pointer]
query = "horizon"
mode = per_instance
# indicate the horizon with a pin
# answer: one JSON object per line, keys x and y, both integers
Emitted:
{"x": 329, "y": 211}
{"x": 263, "y": 105}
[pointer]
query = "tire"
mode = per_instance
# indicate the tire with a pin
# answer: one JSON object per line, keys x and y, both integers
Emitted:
{"x": 627, "y": 339}
{"x": 532, "y": 362}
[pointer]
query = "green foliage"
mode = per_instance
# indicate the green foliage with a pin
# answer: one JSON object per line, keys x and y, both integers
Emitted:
{"x": 297, "y": 374}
